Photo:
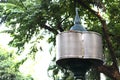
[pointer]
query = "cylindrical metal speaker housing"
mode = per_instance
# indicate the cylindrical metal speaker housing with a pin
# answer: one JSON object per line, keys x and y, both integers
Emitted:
{"x": 81, "y": 45}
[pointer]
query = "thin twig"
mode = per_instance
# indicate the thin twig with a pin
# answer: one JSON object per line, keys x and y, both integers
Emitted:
{"x": 23, "y": 4}
{"x": 59, "y": 24}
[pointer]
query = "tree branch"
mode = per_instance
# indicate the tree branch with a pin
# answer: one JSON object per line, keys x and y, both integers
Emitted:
{"x": 107, "y": 70}
{"x": 105, "y": 32}
{"x": 59, "y": 24}
{"x": 49, "y": 29}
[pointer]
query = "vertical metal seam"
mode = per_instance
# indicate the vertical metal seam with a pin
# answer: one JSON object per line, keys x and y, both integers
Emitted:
{"x": 82, "y": 42}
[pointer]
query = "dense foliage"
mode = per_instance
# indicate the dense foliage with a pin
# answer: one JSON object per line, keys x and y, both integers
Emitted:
{"x": 9, "y": 67}
{"x": 27, "y": 18}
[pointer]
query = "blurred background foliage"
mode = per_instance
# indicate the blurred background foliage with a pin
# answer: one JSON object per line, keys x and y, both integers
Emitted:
{"x": 9, "y": 66}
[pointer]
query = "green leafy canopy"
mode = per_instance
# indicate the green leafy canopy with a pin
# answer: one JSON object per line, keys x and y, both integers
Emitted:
{"x": 28, "y": 18}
